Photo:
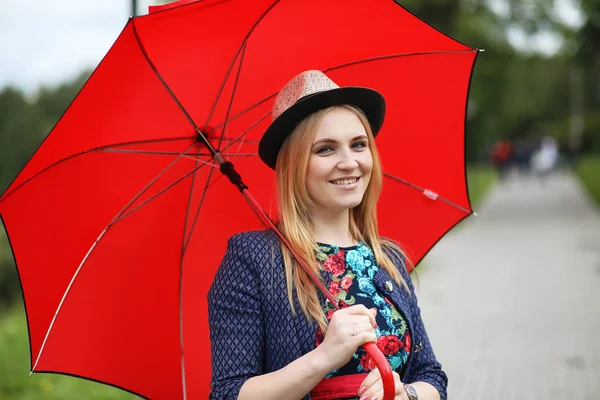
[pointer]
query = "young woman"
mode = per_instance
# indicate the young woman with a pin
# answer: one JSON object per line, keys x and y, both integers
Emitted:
{"x": 273, "y": 334}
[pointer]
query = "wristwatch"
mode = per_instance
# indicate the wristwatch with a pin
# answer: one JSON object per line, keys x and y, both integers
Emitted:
{"x": 411, "y": 392}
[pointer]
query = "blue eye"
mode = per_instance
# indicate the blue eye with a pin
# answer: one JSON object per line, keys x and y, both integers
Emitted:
{"x": 324, "y": 149}
{"x": 360, "y": 144}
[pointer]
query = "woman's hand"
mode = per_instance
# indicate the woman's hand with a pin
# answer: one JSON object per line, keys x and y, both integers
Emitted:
{"x": 348, "y": 329}
{"x": 372, "y": 387}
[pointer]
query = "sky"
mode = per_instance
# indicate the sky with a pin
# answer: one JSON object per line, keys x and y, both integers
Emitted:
{"x": 46, "y": 42}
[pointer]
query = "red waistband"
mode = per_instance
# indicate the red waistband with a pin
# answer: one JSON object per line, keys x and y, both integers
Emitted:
{"x": 338, "y": 387}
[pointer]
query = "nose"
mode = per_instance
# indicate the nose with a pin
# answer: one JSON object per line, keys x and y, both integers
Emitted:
{"x": 347, "y": 161}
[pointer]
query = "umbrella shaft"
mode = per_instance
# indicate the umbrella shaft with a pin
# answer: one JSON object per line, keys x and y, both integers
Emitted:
{"x": 229, "y": 171}
{"x": 226, "y": 167}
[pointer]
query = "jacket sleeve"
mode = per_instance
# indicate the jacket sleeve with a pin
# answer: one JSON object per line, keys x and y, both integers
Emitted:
{"x": 424, "y": 366}
{"x": 235, "y": 320}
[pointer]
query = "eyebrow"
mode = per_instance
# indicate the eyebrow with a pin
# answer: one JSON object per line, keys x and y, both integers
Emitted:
{"x": 329, "y": 140}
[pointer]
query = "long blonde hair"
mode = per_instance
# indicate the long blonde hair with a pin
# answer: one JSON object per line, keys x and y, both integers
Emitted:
{"x": 294, "y": 219}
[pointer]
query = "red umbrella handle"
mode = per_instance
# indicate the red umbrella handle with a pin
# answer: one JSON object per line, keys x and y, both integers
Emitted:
{"x": 389, "y": 387}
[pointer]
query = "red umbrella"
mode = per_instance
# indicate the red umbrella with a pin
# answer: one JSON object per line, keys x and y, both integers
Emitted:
{"x": 120, "y": 219}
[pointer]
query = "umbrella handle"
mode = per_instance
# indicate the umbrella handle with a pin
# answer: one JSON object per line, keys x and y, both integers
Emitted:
{"x": 389, "y": 386}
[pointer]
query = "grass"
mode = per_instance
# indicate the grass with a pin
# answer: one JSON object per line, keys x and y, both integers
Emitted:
{"x": 588, "y": 171}
{"x": 15, "y": 382}
{"x": 480, "y": 178}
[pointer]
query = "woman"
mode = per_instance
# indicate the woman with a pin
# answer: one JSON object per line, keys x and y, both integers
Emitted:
{"x": 273, "y": 335}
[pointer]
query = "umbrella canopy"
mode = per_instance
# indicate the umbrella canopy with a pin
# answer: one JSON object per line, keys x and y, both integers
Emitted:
{"x": 120, "y": 219}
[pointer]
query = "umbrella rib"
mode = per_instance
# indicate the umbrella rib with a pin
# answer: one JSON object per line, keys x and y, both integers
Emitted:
{"x": 243, "y": 155}
{"x": 248, "y": 109}
{"x": 240, "y": 49}
{"x": 187, "y": 214}
{"x": 190, "y": 156}
{"x": 398, "y": 55}
{"x": 238, "y": 137}
{"x": 60, "y": 304}
{"x": 93, "y": 246}
{"x": 185, "y": 243}
{"x": 204, "y": 192}
{"x": 159, "y": 153}
{"x": 7, "y": 194}
{"x": 183, "y": 240}
{"x": 364, "y": 60}
{"x": 145, "y": 142}
{"x": 235, "y": 84}
{"x": 241, "y": 136}
{"x": 429, "y": 193}
{"x": 255, "y": 142}
{"x": 171, "y": 185}
{"x": 161, "y": 79}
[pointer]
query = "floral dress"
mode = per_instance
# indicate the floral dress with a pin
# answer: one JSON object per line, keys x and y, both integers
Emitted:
{"x": 353, "y": 269}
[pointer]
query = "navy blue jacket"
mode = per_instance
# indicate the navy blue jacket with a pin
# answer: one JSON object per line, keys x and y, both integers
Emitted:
{"x": 253, "y": 330}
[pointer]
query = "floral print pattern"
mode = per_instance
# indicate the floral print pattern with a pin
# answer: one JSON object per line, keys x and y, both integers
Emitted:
{"x": 352, "y": 270}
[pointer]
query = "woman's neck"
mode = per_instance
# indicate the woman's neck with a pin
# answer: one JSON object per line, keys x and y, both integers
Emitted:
{"x": 332, "y": 228}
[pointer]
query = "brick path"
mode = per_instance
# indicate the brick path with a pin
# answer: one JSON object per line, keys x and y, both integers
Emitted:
{"x": 511, "y": 299}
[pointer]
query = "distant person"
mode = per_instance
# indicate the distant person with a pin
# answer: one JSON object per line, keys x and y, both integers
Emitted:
{"x": 522, "y": 153}
{"x": 501, "y": 157}
{"x": 546, "y": 157}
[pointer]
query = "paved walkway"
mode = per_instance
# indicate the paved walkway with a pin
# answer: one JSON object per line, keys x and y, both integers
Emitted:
{"x": 511, "y": 299}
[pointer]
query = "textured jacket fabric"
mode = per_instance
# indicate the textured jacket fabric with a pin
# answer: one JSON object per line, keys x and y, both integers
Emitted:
{"x": 253, "y": 330}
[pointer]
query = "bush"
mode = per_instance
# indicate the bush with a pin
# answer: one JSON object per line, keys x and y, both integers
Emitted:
{"x": 588, "y": 170}
{"x": 10, "y": 289}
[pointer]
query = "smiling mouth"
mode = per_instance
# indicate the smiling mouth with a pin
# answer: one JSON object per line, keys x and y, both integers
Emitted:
{"x": 345, "y": 182}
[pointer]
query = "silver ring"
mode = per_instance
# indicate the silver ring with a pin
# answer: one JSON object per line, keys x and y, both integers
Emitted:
{"x": 356, "y": 331}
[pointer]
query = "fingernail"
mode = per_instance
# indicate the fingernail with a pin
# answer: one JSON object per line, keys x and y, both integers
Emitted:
{"x": 374, "y": 397}
{"x": 362, "y": 390}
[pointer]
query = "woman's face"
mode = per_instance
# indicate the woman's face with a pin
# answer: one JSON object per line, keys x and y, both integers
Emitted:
{"x": 340, "y": 162}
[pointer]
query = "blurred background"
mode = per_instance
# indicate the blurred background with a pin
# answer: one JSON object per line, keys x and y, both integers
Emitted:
{"x": 533, "y": 153}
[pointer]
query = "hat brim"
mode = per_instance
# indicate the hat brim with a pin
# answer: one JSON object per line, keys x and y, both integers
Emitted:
{"x": 369, "y": 101}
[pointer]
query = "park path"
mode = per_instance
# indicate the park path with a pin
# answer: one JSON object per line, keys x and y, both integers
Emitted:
{"x": 511, "y": 298}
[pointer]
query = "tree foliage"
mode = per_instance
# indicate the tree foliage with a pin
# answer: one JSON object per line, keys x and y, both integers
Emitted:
{"x": 516, "y": 94}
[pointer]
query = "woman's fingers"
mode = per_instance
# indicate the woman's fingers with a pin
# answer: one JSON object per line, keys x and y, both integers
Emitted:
{"x": 357, "y": 328}
{"x": 373, "y": 386}
{"x": 367, "y": 384}
{"x": 348, "y": 329}
{"x": 354, "y": 314}
{"x": 361, "y": 310}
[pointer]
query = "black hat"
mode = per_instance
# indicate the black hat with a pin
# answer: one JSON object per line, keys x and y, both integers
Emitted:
{"x": 308, "y": 93}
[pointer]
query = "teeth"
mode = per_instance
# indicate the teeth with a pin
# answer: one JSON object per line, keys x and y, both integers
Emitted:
{"x": 344, "y": 181}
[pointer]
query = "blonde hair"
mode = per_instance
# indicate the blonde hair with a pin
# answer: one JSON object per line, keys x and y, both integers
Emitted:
{"x": 294, "y": 219}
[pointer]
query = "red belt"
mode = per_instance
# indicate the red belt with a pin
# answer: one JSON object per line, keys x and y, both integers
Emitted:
{"x": 338, "y": 387}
